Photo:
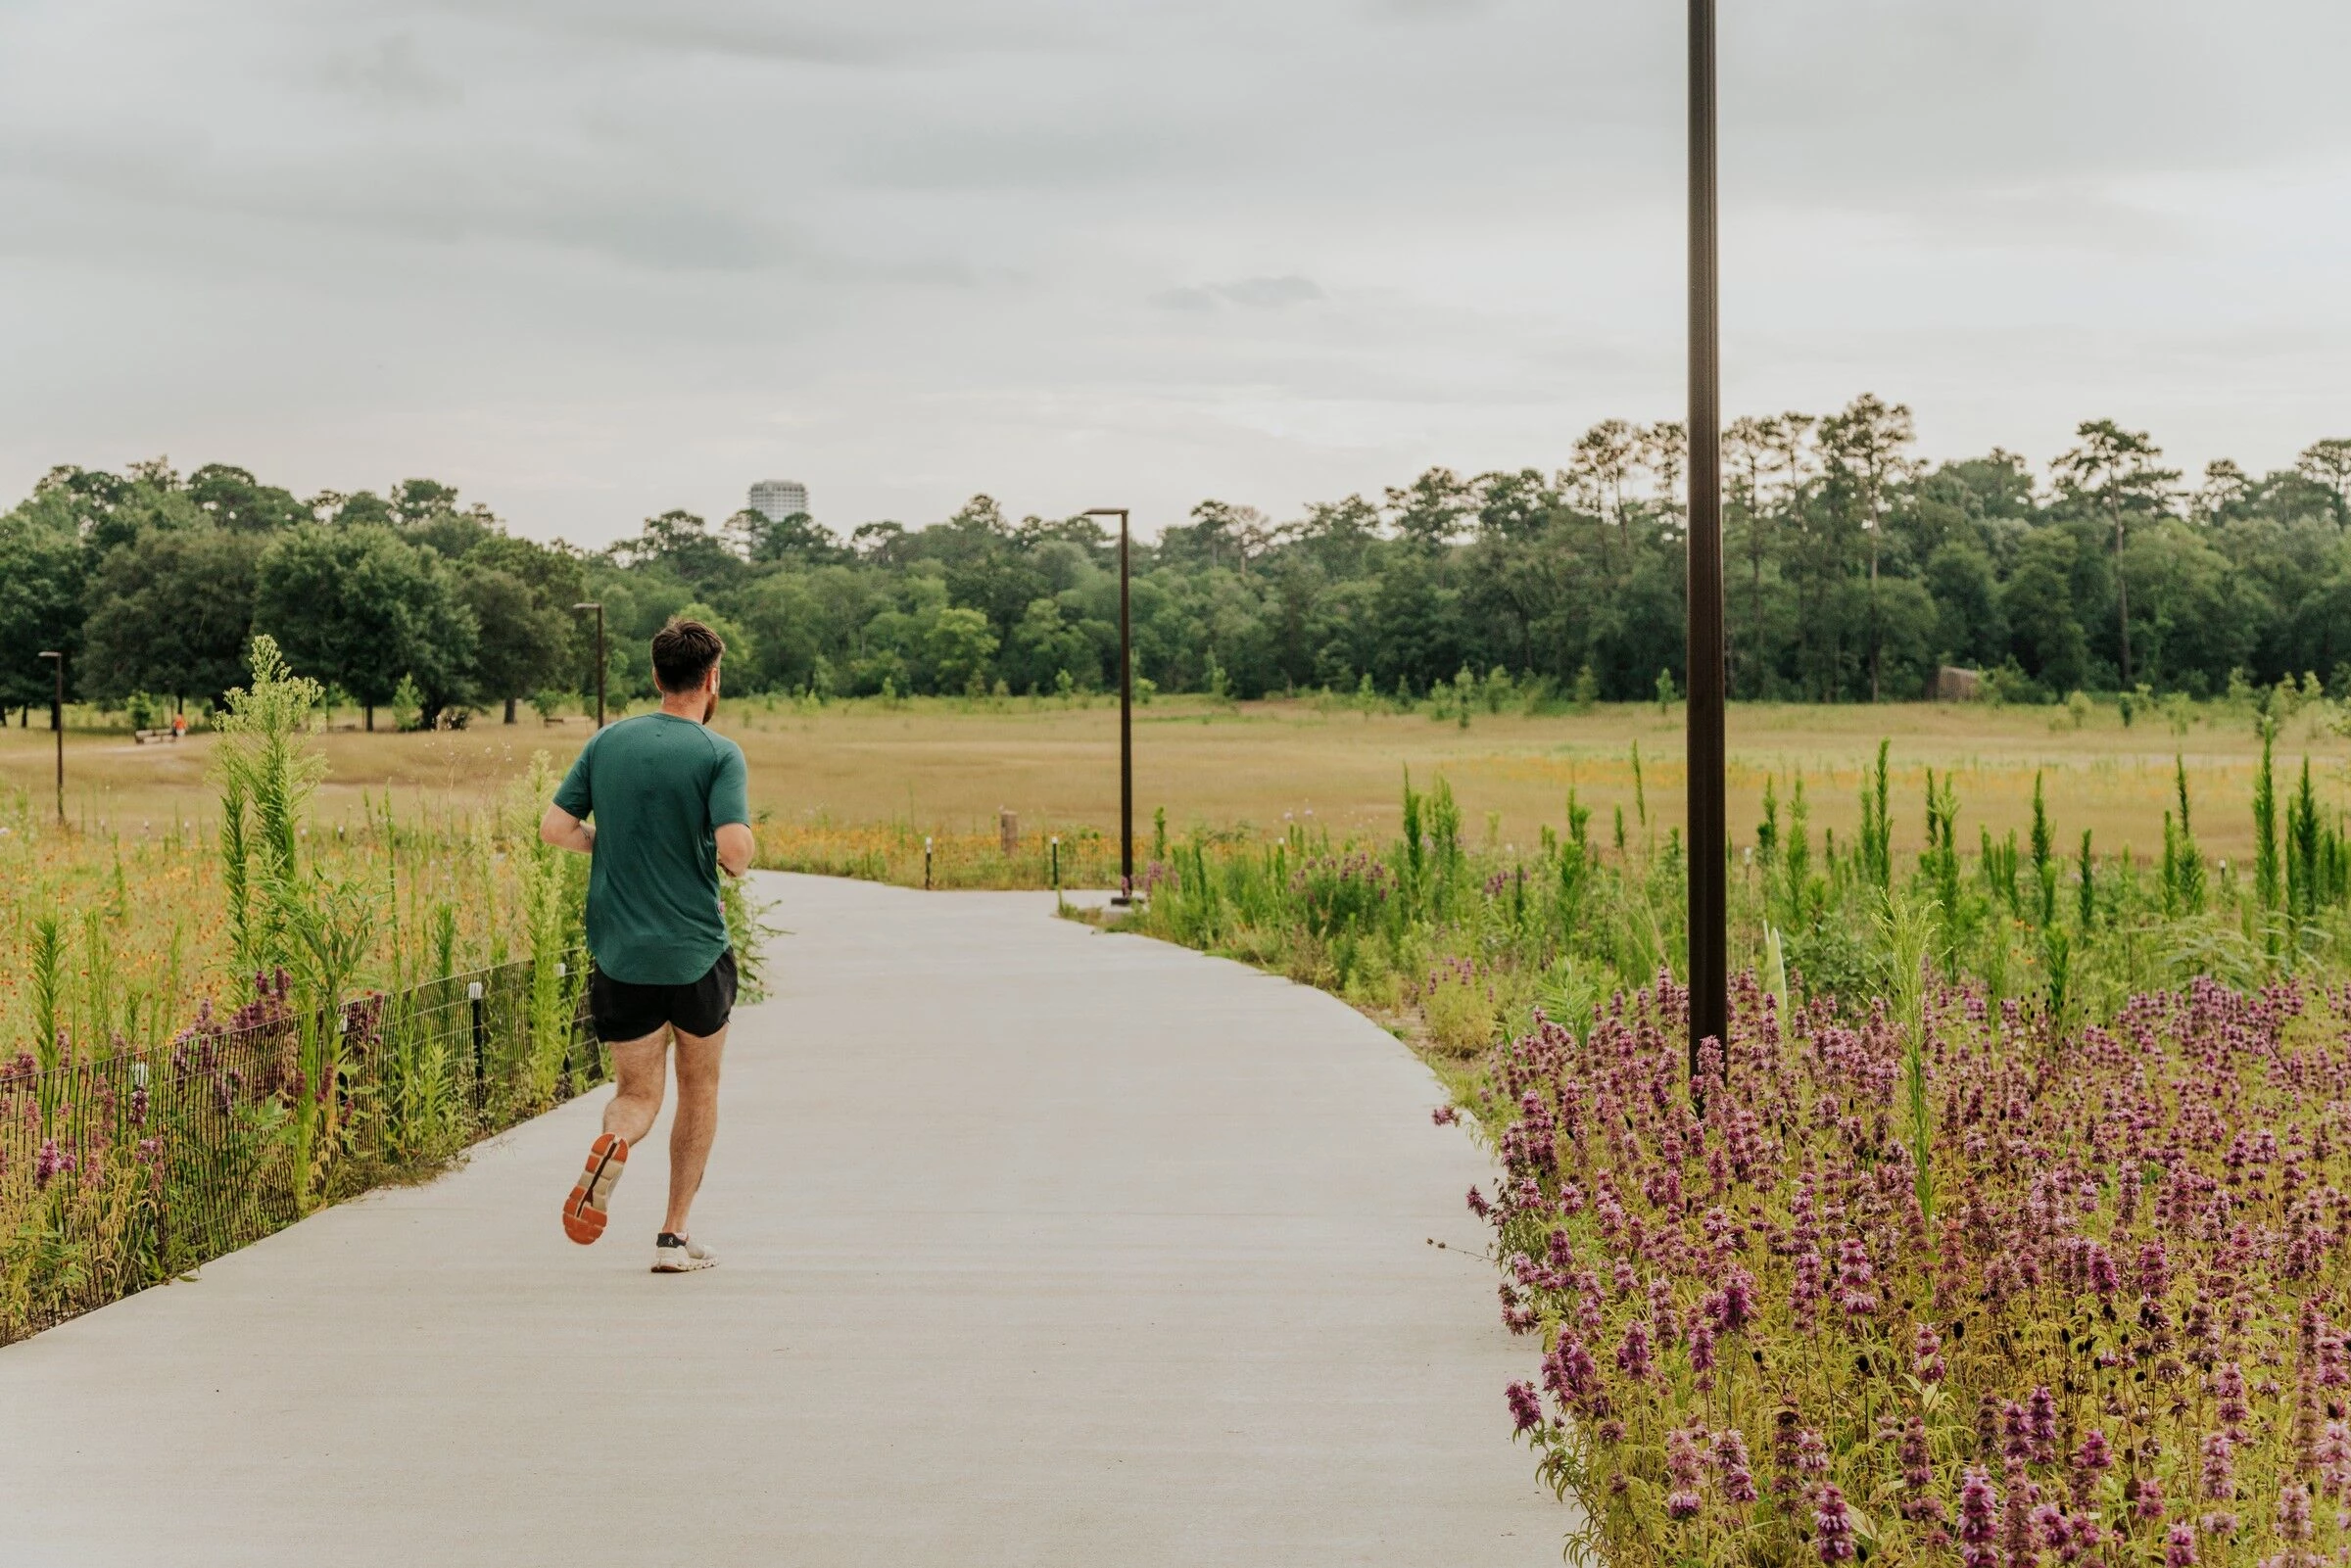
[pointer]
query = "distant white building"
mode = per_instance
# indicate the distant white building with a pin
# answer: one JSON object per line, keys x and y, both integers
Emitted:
{"x": 778, "y": 499}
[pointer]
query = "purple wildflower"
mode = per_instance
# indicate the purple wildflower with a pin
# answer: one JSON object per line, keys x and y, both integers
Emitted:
{"x": 1525, "y": 1409}
{"x": 1729, "y": 1457}
{"x": 1979, "y": 1521}
{"x": 1926, "y": 1354}
{"x": 2229, "y": 1389}
{"x": 2042, "y": 1424}
{"x": 1831, "y": 1528}
{"x": 2293, "y": 1511}
{"x": 2090, "y": 1461}
{"x": 2220, "y": 1471}
{"x": 1633, "y": 1355}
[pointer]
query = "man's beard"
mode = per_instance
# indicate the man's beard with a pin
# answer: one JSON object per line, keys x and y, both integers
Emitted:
{"x": 710, "y": 708}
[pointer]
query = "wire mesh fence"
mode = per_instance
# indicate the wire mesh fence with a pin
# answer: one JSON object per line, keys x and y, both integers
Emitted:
{"x": 131, "y": 1169}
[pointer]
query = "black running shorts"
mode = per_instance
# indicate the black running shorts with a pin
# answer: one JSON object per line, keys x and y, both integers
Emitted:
{"x": 621, "y": 1010}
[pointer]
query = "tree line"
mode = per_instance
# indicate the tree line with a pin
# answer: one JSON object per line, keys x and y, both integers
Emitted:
{"x": 1854, "y": 570}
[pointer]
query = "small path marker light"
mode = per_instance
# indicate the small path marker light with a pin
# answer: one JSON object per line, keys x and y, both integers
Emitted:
{"x": 1126, "y": 893}
{"x": 1057, "y": 863}
{"x": 926, "y": 863}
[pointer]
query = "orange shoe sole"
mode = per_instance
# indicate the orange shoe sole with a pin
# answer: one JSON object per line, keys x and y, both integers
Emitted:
{"x": 584, "y": 1211}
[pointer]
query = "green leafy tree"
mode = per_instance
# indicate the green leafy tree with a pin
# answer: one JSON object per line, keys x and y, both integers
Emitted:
{"x": 171, "y": 612}
{"x": 234, "y": 500}
{"x": 959, "y": 646}
{"x": 1970, "y": 625}
{"x": 2327, "y": 466}
{"x": 40, "y": 608}
{"x": 521, "y": 643}
{"x": 359, "y": 608}
{"x": 1430, "y": 510}
{"x": 2045, "y": 636}
{"x": 681, "y": 543}
{"x": 414, "y": 502}
{"x": 798, "y": 539}
{"x": 1864, "y": 443}
{"x": 2115, "y": 470}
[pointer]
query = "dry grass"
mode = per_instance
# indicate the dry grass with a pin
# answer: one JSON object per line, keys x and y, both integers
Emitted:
{"x": 950, "y": 767}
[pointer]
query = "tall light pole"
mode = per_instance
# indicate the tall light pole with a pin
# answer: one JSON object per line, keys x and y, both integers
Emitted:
{"x": 1709, "y": 985}
{"x": 57, "y": 723}
{"x": 598, "y": 605}
{"x": 1126, "y": 892}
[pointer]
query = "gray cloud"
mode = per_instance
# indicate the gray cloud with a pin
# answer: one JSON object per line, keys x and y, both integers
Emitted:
{"x": 391, "y": 72}
{"x": 589, "y": 259}
{"x": 1250, "y": 294}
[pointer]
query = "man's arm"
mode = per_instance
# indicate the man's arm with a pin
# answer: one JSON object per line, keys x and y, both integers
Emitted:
{"x": 564, "y": 830}
{"x": 736, "y": 847}
{"x": 731, "y": 810}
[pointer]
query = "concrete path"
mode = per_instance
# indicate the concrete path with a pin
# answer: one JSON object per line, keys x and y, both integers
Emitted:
{"x": 1041, "y": 1247}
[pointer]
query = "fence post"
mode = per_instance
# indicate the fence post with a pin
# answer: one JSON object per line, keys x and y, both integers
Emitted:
{"x": 1057, "y": 863}
{"x": 562, "y": 969}
{"x": 926, "y": 863}
{"x": 1008, "y": 832}
{"x": 481, "y": 1041}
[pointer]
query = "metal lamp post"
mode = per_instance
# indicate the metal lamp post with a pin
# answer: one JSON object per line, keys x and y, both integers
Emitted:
{"x": 1709, "y": 993}
{"x": 57, "y": 723}
{"x": 1126, "y": 893}
{"x": 597, "y": 606}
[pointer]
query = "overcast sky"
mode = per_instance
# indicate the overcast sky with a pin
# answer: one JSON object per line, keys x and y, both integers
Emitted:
{"x": 592, "y": 258}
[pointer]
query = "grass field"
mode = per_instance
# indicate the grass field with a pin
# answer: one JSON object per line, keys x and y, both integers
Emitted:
{"x": 950, "y": 767}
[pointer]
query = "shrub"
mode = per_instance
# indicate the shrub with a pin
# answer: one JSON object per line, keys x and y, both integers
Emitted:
{"x": 1460, "y": 1010}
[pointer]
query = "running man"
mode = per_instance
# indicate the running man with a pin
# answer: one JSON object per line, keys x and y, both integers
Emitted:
{"x": 668, "y": 799}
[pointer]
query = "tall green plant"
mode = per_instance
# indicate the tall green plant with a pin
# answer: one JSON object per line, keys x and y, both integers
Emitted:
{"x": 267, "y": 771}
{"x": 236, "y": 856}
{"x": 97, "y": 980}
{"x": 1414, "y": 848}
{"x": 2087, "y": 893}
{"x": 2183, "y": 860}
{"x": 2264, "y": 829}
{"x": 2044, "y": 858}
{"x": 1877, "y": 830}
{"x": 551, "y": 920}
{"x": 2302, "y": 837}
{"x": 1796, "y": 864}
{"x": 328, "y": 927}
{"x": 1939, "y": 860}
{"x": 48, "y": 986}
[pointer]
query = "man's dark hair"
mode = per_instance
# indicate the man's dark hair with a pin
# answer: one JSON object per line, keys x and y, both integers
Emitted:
{"x": 683, "y": 653}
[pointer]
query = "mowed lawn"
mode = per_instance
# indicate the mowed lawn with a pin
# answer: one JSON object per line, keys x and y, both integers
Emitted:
{"x": 953, "y": 766}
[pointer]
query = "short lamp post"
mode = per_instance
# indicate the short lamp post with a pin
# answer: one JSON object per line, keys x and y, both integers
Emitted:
{"x": 1126, "y": 893}
{"x": 57, "y": 723}
{"x": 597, "y": 606}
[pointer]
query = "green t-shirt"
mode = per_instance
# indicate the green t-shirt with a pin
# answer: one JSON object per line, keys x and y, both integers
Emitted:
{"x": 659, "y": 788}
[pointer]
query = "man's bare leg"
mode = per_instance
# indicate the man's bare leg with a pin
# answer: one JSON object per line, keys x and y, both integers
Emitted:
{"x": 639, "y": 1066}
{"x": 695, "y": 1124}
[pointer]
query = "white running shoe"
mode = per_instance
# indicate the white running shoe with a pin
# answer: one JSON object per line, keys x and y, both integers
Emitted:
{"x": 675, "y": 1254}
